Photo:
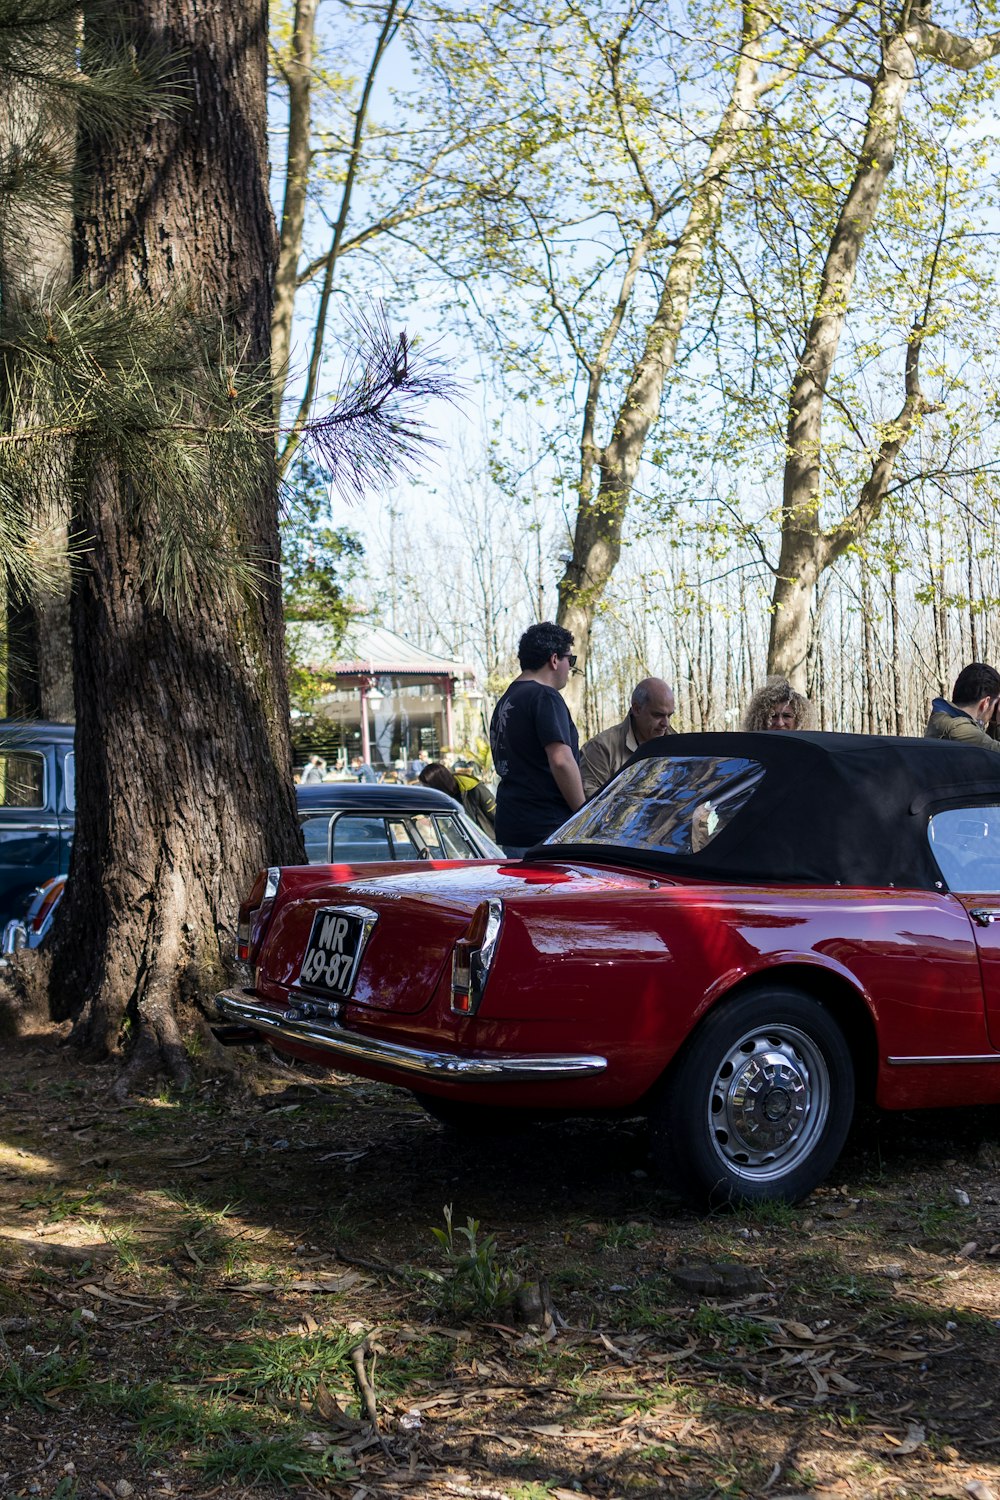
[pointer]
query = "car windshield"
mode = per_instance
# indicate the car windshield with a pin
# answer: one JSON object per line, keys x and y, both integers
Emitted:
{"x": 676, "y": 805}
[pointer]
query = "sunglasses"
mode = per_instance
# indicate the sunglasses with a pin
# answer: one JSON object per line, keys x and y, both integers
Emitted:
{"x": 571, "y": 659}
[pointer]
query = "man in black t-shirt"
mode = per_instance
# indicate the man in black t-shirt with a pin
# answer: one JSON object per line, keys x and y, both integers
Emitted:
{"x": 536, "y": 748}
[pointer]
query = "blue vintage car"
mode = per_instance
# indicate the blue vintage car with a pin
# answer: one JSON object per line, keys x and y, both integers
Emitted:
{"x": 37, "y": 808}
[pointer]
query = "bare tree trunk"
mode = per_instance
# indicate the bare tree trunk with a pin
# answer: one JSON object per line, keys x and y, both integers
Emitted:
{"x": 184, "y": 775}
{"x": 869, "y": 711}
{"x": 897, "y": 683}
{"x": 390, "y": 25}
{"x": 297, "y": 72}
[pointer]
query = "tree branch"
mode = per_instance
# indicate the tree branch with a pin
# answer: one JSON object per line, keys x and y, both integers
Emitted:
{"x": 963, "y": 53}
{"x": 393, "y": 21}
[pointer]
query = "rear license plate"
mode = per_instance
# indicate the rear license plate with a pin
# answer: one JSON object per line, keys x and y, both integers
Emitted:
{"x": 334, "y": 950}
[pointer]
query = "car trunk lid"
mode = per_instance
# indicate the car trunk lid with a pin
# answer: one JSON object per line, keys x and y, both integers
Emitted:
{"x": 383, "y": 939}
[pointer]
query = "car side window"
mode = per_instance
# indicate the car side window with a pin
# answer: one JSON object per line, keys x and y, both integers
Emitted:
{"x": 357, "y": 838}
{"x": 966, "y": 844}
{"x": 22, "y": 779}
{"x": 69, "y": 782}
{"x": 403, "y": 846}
{"x": 453, "y": 840}
{"x": 316, "y": 832}
{"x": 427, "y": 829}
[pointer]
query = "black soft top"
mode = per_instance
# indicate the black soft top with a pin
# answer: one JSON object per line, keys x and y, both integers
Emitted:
{"x": 386, "y": 798}
{"x": 831, "y": 809}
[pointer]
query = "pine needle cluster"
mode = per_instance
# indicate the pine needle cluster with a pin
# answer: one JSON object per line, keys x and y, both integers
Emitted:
{"x": 184, "y": 418}
{"x": 160, "y": 394}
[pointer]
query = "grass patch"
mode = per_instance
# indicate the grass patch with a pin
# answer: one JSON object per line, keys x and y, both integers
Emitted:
{"x": 286, "y": 1367}
{"x": 59, "y": 1203}
{"x": 729, "y": 1332}
{"x": 426, "y": 1360}
{"x": 280, "y": 1460}
{"x": 40, "y": 1382}
{"x": 226, "y": 1441}
{"x": 629, "y": 1236}
{"x": 651, "y": 1304}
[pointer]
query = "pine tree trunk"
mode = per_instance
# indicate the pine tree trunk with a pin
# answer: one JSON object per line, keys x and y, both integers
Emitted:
{"x": 183, "y": 760}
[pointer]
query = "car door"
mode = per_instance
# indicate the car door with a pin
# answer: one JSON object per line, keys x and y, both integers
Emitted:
{"x": 30, "y": 835}
{"x": 966, "y": 844}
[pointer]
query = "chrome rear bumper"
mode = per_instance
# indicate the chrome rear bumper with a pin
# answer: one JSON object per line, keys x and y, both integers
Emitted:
{"x": 326, "y": 1035}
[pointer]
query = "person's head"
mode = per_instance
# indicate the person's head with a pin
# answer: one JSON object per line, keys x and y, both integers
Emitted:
{"x": 547, "y": 645}
{"x": 976, "y": 690}
{"x": 437, "y": 775}
{"x": 652, "y": 708}
{"x": 776, "y": 705}
{"x": 355, "y": 760}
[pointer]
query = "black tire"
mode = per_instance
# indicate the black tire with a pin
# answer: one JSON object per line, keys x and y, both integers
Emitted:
{"x": 758, "y": 1104}
{"x": 483, "y": 1120}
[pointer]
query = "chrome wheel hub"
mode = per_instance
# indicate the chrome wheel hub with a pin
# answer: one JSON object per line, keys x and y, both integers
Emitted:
{"x": 769, "y": 1101}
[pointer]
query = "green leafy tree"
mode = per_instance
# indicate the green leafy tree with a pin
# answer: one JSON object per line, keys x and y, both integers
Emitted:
{"x": 908, "y": 42}
{"x": 319, "y": 563}
{"x": 607, "y": 140}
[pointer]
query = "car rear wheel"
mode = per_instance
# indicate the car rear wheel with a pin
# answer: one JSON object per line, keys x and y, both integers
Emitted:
{"x": 760, "y": 1101}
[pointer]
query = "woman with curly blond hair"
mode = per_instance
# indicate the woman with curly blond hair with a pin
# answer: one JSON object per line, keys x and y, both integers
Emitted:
{"x": 776, "y": 705}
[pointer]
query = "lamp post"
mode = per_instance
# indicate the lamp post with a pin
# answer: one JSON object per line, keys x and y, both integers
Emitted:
{"x": 366, "y": 746}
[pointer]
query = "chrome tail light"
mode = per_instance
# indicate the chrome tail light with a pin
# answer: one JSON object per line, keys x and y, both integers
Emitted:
{"x": 473, "y": 956}
{"x": 255, "y": 914}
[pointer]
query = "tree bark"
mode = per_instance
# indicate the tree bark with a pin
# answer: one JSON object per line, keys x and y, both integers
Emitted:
{"x": 806, "y": 549}
{"x": 297, "y": 73}
{"x": 184, "y": 782}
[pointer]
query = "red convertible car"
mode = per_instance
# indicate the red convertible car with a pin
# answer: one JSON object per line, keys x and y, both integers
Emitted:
{"x": 740, "y": 936}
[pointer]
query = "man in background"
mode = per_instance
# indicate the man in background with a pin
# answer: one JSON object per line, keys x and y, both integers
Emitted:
{"x": 649, "y": 715}
{"x": 535, "y": 744}
{"x": 973, "y": 706}
{"x": 315, "y": 770}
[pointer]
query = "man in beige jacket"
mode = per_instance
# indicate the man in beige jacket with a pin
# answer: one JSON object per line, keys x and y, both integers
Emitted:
{"x": 649, "y": 716}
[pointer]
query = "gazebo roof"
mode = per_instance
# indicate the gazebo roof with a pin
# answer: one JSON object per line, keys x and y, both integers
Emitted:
{"x": 367, "y": 650}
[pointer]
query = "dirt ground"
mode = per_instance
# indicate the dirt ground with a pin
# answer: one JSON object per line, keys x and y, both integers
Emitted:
{"x": 214, "y": 1295}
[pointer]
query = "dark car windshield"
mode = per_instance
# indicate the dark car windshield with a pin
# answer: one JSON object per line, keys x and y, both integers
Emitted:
{"x": 676, "y": 806}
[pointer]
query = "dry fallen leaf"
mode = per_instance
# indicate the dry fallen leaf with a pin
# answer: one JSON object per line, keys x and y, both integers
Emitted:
{"x": 326, "y": 1406}
{"x": 914, "y": 1439}
{"x": 340, "y": 1283}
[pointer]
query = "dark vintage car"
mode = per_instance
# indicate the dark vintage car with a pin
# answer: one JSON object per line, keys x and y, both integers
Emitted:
{"x": 348, "y": 822}
{"x": 342, "y": 821}
{"x": 740, "y": 936}
{"x": 37, "y": 808}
